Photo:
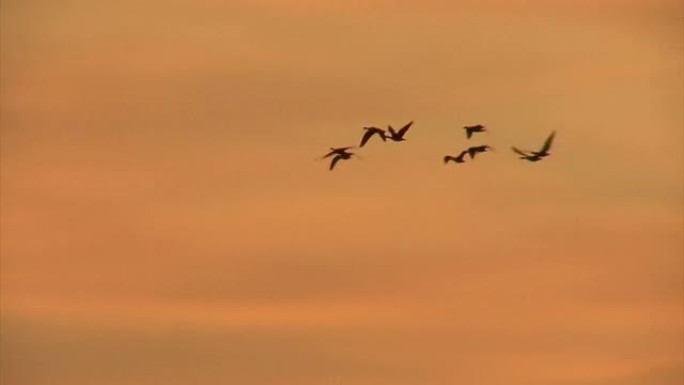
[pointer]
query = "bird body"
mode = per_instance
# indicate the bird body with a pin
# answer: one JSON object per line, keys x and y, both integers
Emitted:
{"x": 474, "y": 150}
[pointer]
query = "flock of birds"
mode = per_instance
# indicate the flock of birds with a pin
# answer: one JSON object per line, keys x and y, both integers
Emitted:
{"x": 343, "y": 153}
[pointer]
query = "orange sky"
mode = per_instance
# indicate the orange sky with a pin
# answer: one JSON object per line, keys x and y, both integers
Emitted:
{"x": 164, "y": 220}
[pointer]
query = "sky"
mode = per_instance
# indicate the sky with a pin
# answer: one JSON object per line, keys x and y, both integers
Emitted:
{"x": 166, "y": 217}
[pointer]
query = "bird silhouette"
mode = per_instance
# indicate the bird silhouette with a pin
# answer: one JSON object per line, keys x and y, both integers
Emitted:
{"x": 472, "y": 129}
{"x": 370, "y": 131}
{"x": 342, "y": 155}
{"x": 398, "y": 136}
{"x": 472, "y": 151}
{"x": 337, "y": 151}
{"x": 456, "y": 159}
{"x": 534, "y": 156}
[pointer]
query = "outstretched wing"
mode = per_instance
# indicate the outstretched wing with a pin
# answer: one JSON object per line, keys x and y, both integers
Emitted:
{"x": 519, "y": 152}
{"x": 367, "y": 135}
{"x": 403, "y": 130}
{"x": 462, "y": 154}
{"x": 469, "y": 132}
{"x": 334, "y": 161}
{"x": 331, "y": 153}
{"x": 337, "y": 150}
{"x": 548, "y": 142}
{"x": 391, "y": 131}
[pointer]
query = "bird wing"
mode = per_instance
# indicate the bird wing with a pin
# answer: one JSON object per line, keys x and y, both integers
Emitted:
{"x": 337, "y": 150}
{"x": 472, "y": 151}
{"x": 519, "y": 152}
{"x": 403, "y": 130}
{"x": 382, "y": 134}
{"x": 334, "y": 161}
{"x": 462, "y": 154}
{"x": 447, "y": 158}
{"x": 469, "y": 132}
{"x": 367, "y": 135}
{"x": 391, "y": 131}
{"x": 548, "y": 142}
{"x": 328, "y": 154}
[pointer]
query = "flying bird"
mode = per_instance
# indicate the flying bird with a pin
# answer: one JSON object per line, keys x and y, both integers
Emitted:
{"x": 472, "y": 129}
{"x": 343, "y": 155}
{"x": 370, "y": 131}
{"x": 472, "y": 151}
{"x": 456, "y": 159}
{"x": 534, "y": 156}
{"x": 398, "y": 136}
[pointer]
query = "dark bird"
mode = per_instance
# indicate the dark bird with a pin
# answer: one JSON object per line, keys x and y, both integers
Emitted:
{"x": 398, "y": 136}
{"x": 534, "y": 156}
{"x": 472, "y": 129}
{"x": 343, "y": 155}
{"x": 370, "y": 131}
{"x": 337, "y": 151}
{"x": 472, "y": 151}
{"x": 457, "y": 159}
